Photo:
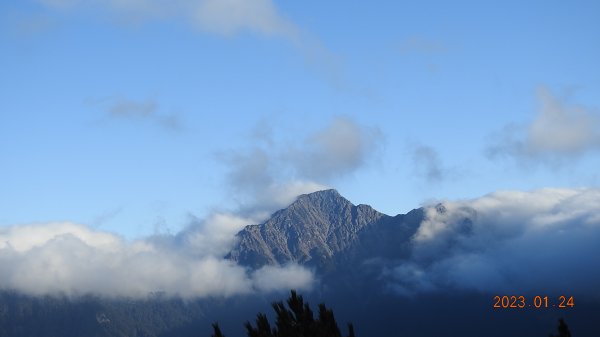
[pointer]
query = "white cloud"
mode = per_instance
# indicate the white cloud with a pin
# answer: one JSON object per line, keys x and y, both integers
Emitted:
{"x": 270, "y": 278}
{"x": 231, "y": 16}
{"x": 560, "y": 130}
{"x": 259, "y": 183}
{"x": 71, "y": 259}
{"x": 508, "y": 242}
{"x": 213, "y": 236}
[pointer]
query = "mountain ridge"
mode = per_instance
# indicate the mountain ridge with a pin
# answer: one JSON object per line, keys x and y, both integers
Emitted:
{"x": 353, "y": 253}
{"x": 316, "y": 230}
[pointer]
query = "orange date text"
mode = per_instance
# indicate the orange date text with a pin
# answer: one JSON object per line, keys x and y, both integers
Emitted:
{"x": 535, "y": 302}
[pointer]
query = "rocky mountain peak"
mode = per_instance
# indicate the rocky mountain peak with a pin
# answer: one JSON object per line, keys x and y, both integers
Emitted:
{"x": 328, "y": 196}
{"x": 320, "y": 201}
{"x": 311, "y": 230}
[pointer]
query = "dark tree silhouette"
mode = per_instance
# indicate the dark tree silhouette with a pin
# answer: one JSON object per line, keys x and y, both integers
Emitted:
{"x": 263, "y": 328}
{"x": 295, "y": 320}
{"x": 217, "y": 330}
{"x": 350, "y": 330}
{"x": 328, "y": 326}
{"x": 563, "y": 329}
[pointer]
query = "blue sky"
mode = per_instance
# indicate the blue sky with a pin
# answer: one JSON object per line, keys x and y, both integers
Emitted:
{"x": 136, "y": 116}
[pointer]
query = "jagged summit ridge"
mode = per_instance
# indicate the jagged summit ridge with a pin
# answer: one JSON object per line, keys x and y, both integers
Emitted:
{"x": 322, "y": 195}
{"x": 309, "y": 231}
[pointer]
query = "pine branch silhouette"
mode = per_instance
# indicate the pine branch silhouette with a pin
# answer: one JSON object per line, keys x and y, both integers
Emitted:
{"x": 217, "y": 330}
{"x": 297, "y": 320}
{"x": 563, "y": 329}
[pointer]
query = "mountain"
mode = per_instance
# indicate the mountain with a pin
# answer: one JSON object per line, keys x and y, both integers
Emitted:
{"x": 354, "y": 251}
{"x": 89, "y": 316}
{"x": 310, "y": 231}
{"x": 323, "y": 230}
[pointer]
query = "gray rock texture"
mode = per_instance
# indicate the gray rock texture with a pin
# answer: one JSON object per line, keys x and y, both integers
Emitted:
{"x": 320, "y": 229}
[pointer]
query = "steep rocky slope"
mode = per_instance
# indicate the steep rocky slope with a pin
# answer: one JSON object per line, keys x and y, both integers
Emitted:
{"x": 321, "y": 228}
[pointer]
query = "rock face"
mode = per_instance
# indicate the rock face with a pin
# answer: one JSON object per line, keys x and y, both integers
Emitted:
{"x": 315, "y": 230}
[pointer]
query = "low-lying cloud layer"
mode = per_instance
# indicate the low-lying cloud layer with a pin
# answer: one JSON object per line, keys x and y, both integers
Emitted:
{"x": 70, "y": 259}
{"x": 508, "y": 242}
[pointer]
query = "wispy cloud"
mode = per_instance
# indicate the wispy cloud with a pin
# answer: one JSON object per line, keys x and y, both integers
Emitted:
{"x": 429, "y": 166}
{"x": 127, "y": 108}
{"x": 147, "y": 111}
{"x": 232, "y": 16}
{"x": 107, "y": 216}
{"x": 224, "y": 17}
{"x": 269, "y": 174}
{"x": 560, "y": 131}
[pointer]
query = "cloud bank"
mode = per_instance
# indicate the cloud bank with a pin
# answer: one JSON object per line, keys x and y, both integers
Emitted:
{"x": 73, "y": 260}
{"x": 559, "y": 131}
{"x": 509, "y": 242}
